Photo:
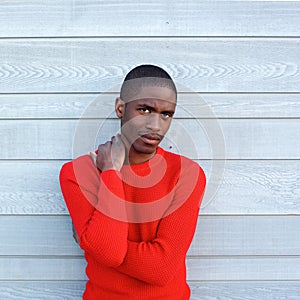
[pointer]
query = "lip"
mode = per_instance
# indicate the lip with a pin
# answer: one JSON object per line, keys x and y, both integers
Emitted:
{"x": 151, "y": 139}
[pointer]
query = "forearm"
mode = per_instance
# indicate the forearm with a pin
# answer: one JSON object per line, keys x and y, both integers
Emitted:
{"x": 156, "y": 261}
{"x": 99, "y": 233}
{"x": 105, "y": 237}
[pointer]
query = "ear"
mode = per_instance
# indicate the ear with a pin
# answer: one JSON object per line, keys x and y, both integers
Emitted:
{"x": 119, "y": 107}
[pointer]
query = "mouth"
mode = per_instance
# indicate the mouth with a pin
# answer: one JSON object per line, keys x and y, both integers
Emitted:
{"x": 151, "y": 138}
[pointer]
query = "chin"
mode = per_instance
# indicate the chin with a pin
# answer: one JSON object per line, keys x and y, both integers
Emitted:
{"x": 144, "y": 149}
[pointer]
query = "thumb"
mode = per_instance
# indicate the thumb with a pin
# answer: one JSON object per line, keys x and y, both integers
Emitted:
{"x": 93, "y": 156}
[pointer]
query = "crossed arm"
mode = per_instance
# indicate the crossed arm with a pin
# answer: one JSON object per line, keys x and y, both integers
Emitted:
{"x": 106, "y": 238}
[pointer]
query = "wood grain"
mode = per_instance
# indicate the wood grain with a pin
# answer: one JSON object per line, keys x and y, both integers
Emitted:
{"x": 244, "y": 268}
{"x": 42, "y": 268}
{"x": 155, "y": 18}
{"x": 195, "y": 138}
{"x": 24, "y": 290}
{"x": 189, "y": 105}
{"x": 247, "y": 187}
{"x": 245, "y": 290}
{"x": 246, "y": 236}
{"x": 36, "y": 290}
{"x": 61, "y": 58}
{"x": 215, "y": 236}
{"x": 197, "y": 65}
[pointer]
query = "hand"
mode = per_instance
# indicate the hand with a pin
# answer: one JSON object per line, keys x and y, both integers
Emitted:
{"x": 111, "y": 155}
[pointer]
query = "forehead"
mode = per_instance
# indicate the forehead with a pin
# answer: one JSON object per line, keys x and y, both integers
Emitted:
{"x": 151, "y": 93}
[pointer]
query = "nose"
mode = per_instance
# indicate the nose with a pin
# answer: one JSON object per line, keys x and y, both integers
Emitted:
{"x": 153, "y": 123}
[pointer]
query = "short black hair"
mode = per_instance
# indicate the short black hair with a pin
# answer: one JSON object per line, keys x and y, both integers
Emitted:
{"x": 145, "y": 75}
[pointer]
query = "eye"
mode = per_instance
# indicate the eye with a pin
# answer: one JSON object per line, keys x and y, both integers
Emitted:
{"x": 144, "y": 110}
{"x": 166, "y": 115}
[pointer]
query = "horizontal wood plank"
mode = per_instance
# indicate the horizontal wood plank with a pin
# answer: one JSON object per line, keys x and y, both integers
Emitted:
{"x": 215, "y": 236}
{"x": 244, "y": 268}
{"x": 42, "y": 268}
{"x": 264, "y": 268}
{"x": 155, "y": 18}
{"x": 189, "y": 105}
{"x": 247, "y": 187}
{"x": 40, "y": 236}
{"x": 197, "y": 65}
{"x": 195, "y": 138}
{"x": 245, "y": 290}
{"x": 24, "y": 290}
{"x": 246, "y": 235}
{"x": 51, "y": 290}
{"x": 247, "y": 251}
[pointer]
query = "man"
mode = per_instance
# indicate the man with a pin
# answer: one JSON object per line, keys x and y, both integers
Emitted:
{"x": 135, "y": 206}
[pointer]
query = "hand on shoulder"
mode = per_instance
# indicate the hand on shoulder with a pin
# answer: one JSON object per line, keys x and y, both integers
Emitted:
{"x": 110, "y": 156}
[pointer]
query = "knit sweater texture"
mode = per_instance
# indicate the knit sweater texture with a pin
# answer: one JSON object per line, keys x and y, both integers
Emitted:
{"x": 135, "y": 225}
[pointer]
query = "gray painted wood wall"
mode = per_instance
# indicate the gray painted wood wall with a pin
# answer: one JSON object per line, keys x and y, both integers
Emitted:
{"x": 241, "y": 57}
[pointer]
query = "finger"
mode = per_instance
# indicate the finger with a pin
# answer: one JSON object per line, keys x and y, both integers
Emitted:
{"x": 114, "y": 140}
{"x": 118, "y": 138}
{"x": 104, "y": 146}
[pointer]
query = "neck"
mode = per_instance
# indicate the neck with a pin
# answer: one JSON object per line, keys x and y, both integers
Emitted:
{"x": 137, "y": 158}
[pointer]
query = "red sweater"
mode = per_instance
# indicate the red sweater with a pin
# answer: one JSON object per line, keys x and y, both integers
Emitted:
{"x": 142, "y": 257}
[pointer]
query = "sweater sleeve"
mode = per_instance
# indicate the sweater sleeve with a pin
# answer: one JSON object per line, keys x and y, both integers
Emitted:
{"x": 156, "y": 261}
{"x": 88, "y": 193}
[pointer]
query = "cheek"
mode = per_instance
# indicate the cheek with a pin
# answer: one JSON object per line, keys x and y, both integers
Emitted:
{"x": 132, "y": 120}
{"x": 166, "y": 125}
{"x": 132, "y": 124}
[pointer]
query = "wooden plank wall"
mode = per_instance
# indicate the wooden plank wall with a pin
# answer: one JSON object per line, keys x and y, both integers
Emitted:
{"x": 241, "y": 57}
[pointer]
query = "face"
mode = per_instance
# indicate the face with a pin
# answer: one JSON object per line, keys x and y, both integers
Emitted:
{"x": 145, "y": 120}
